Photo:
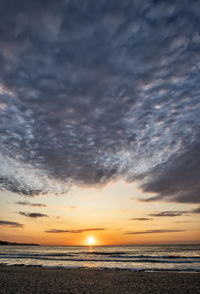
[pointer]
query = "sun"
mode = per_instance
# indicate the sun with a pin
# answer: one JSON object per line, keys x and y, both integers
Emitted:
{"x": 91, "y": 241}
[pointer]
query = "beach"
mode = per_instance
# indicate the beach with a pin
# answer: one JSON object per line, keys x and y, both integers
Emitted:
{"x": 35, "y": 279}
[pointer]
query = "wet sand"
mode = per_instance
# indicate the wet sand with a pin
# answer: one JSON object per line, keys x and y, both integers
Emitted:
{"x": 33, "y": 279}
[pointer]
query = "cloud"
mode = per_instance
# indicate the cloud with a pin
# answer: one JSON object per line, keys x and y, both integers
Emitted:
{"x": 196, "y": 210}
{"x": 74, "y": 231}
{"x": 27, "y": 203}
{"x": 11, "y": 224}
{"x": 177, "y": 179}
{"x": 32, "y": 214}
{"x": 168, "y": 213}
{"x": 175, "y": 213}
{"x": 82, "y": 100}
{"x": 153, "y": 232}
{"x": 140, "y": 218}
{"x": 71, "y": 207}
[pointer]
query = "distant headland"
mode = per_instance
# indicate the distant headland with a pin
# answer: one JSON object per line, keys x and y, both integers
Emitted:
{"x": 14, "y": 243}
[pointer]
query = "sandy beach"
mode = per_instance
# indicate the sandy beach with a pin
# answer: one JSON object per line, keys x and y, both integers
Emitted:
{"x": 33, "y": 279}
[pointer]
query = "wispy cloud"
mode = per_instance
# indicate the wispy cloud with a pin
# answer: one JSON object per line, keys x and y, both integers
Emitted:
{"x": 153, "y": 232}
{"x": 27, "y": 203}
{"x": 168, "y": 213}
{"x": 140, "y": 218}
{"x": 11, "y": 224}
{"x": 74, "y": 231}
{"x": 172, "y": 213}
{"x": 32, "y": 214}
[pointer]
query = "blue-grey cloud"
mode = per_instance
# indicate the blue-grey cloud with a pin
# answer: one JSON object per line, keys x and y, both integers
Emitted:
{"x": 32, "y": 214}
{"x": 177, "y": 179}
{"x": 57, "y": 231}
{"x": 11, "y": 224}
{"x": 100, "y": 90}
{"x": 168, "y": 213}
{"x": 175, "y": 213}
{"x": 27, "y": 203}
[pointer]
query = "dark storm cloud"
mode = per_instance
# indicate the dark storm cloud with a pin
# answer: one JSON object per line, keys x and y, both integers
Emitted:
{"x": 92, "y": 91}
{"x": 169, "y": 213}
{"x": 140, "y": 218}
{"x": 11, "y": 224}
{"x": 153, "y": 232}
{"x": 74, "y": 231}
{"x": 27, "y": 203}
{"x": 32, "y": 214}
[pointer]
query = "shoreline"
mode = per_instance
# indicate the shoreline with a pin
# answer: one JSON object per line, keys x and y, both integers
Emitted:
{"x": 37, "y": 279}
{"x": 102, "y": 268}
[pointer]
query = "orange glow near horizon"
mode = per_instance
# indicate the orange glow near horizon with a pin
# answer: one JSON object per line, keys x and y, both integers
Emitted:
{"x": 112, "y": 214}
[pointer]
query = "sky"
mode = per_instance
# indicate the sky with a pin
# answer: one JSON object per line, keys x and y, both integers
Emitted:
{"x": 100, "y": 121}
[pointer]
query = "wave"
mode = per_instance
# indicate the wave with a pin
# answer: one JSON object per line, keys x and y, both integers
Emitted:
{"x": 117, "y": 255}
{"x": 182, "y": 270}
{"x": 37, "y": 254}
{"x": 161, "y": 257}
{"x": 132, "y": 260}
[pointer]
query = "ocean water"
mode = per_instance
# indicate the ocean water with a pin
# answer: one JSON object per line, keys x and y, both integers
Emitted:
{"x": 184, "y": 258}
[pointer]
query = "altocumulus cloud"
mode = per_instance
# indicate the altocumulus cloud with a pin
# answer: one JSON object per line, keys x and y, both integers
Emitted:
{"x": 100, "y": 90}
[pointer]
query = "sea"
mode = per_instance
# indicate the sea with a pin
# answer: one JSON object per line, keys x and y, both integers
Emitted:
{"x": 182, "y": 258}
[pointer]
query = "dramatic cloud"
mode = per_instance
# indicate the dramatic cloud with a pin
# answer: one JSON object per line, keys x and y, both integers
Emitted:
{"x": 101, "y": 90}
{"x": 177, "y": 179}
{"x": 169, "y": 213}
{"x": 140, "y": 218}
{"x": 74, "y": 231}
{"x": 11, "y": 224}
{"x": 27, "y": 203}
{"x": 153, "y": 232}
{"x": 32, "y": 214}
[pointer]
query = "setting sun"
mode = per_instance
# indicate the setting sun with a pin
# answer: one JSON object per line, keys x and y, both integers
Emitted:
{"x": 91, "y": 241}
